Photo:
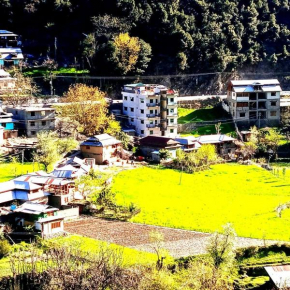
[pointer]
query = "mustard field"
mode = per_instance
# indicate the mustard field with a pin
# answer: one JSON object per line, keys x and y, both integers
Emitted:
{"x": 245, "y": 196}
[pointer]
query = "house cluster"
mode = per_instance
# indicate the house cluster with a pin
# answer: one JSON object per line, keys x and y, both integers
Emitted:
{"x": 10, "y": 49}
{"x": 42, "y": 200}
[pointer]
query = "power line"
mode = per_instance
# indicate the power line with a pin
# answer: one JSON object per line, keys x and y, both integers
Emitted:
{"x": 156, "y": 76}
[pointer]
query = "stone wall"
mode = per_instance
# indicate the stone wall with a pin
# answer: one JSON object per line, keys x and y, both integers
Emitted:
{"x": 285, "y": 115}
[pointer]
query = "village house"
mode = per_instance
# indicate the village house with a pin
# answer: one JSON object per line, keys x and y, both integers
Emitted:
{"x": 255, "y": 102}
{"x": 42, "y": 217}
{"x": 31, "y": 120}
{"x": 150, "y": 109}
{"x": 19, "y": 191}
{"x": 103, "y": 148}
{"x": 7, "y": 83}
{"x": 225, "y": 145}
{"x": 151, "y": 145}
{"x": 189, "y": 143}
{"x": 10, "y": 51}
{"x": 7, "y": 122}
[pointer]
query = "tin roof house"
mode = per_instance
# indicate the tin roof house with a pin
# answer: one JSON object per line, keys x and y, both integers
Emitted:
{"x": 103, "y": 148}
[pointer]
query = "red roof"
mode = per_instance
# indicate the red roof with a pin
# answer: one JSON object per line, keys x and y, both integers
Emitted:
{"x": 158, "y": 141}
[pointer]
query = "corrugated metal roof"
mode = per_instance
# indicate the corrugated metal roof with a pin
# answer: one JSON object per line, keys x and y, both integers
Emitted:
{"x": 35, "y": 208}
{"x": 243, "y": 89}
{"x": 255, "y": 82}
{"x": 280, "y": 275}
{"x": 101, "y": 141}
{"x": 271, "y": 89}
{"x": 213, "y": 139}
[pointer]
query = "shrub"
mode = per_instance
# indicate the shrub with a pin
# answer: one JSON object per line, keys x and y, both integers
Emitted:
{"x": 4, "y": 248}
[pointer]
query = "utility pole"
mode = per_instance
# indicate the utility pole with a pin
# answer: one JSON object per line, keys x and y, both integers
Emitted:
{"x": 22, "y": 160}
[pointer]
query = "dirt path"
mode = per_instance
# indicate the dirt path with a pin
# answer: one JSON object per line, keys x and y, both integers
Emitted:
{"x": 179, "y": 243}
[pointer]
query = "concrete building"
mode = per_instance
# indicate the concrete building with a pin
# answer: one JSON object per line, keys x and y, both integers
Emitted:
{"x": 255, "y": 102}
{"x": 10, "y": 51}
{"x": 31, "y": 120}
{"x": 150, "y": 109}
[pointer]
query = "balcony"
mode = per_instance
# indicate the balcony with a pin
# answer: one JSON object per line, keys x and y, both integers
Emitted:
{"x": 153, "y": 105}
{"x": 172, "y": 104}
{"x": 172, "y": 115}
{"x": 172, "y": 125}
{"x": 152, "y": 125}
{"x": 152, "y": 115}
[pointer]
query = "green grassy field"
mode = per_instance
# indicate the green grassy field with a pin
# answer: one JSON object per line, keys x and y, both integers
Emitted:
{"x": 41, "y": 71}
{"x": 208, "y": 114}
{"x": 9, "y": 170}
{"x": 245, "y": 196}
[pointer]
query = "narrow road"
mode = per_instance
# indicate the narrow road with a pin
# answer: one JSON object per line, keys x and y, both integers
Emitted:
{"x": 179, "y": 243}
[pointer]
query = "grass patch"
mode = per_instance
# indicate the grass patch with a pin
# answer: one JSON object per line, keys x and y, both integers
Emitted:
{"x": 9, "y": 170}
{"x": 42, "y": 71}
{"x": 201, "y": 115}
{"x": 245, "y": 196}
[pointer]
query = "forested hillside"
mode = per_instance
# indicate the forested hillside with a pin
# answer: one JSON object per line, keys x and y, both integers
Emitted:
{"x": 128, "y": 37}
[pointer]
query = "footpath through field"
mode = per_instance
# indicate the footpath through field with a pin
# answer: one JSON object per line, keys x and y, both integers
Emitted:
{"x": 179, "y": 243}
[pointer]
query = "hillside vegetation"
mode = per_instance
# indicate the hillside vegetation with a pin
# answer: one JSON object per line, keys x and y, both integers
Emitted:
{"x": 128, "y": 37}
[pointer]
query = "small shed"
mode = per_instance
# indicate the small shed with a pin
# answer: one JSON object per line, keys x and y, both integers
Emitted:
{"x": 50, "y": 225}
{"x": 280, "y": 276}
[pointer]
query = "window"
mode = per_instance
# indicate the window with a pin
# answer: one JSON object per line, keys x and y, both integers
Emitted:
{"x": 171, "y": 120}
{"x": 125, "y": 108}
{"x": 55, "y": 225}
{"x": 33, "y": 133}
{"x": 125, "y": 98}
{"x": 273, "y": 104}
{"x": 16, "y": 112}
{"x": 151, "y": 101}
{"x": 242, "y": 115}
{"x": 171, "y": 100}
{"x": 151, "y": 132}
{"x": 42, "y": 113}
{"x": 273, "y": 113}
{"x": 132, "y": 99}
{"x": 171, "y": 130}
{"x": 132, "y": 109}
{"x": 132, "y": 119}
{"x": 32, "y": 124}
{"x": 32, "y": 114}
{"x": 142, "y": 111}
{"x": 242, "y": 105}
{"x": 142, "y": 132}
{"x": 142, "y": 101}
{"x": 142, "y": 121}
{"x": 43, "y": 123}
{"x": 88, "y": 147}
{"x": 273, "y": 94}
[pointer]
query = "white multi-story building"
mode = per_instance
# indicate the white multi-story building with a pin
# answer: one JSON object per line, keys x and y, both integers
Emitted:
{"x": 255, "y": 102}
{"x": 150, "y": 109}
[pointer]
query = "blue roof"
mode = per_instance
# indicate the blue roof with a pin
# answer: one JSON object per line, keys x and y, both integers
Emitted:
{"x": 5, "y": 32}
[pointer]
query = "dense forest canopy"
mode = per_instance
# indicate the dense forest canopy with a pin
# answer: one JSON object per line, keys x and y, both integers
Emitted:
{"x": 128, "y": 37}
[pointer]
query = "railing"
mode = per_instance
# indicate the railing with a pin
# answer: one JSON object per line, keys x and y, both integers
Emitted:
{"x": 172, "y": 114}
{"x": 153, "y": 104}
{"x": 172, "y": 104}
{"x": 152, "y": 125}
{"x": 152, "y": 115}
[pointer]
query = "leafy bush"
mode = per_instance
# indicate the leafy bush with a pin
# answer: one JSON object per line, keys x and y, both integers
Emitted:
{"x": 4, "y": 248}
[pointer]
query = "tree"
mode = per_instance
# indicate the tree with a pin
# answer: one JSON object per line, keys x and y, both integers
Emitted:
{"x": 221, "y": 247}
{"x": 50, "y": 148}
{"x": 23, "y": 91}
{"x": 164, "y": 154}
{"x": 272, "y": 139}
{"x": 126, "y": 52}
{"x": 87, "y": 106}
